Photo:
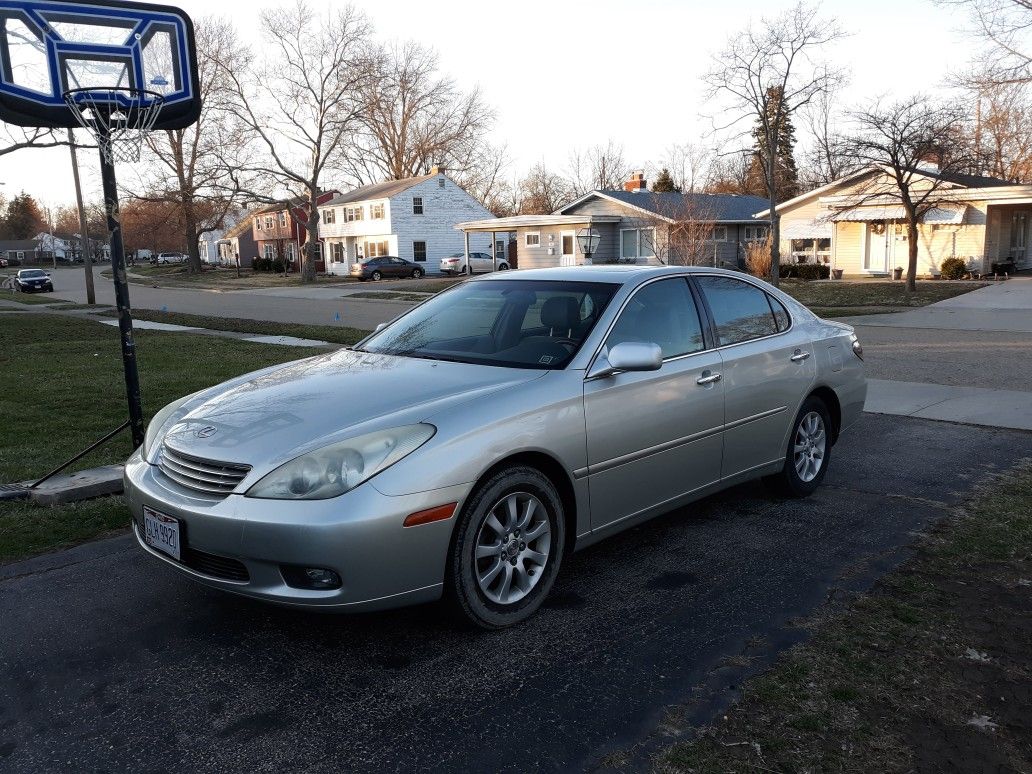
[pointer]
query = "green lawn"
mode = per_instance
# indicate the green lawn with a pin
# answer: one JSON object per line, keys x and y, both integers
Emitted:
{"x": 63, "y": 389}
{"x": 821, "y": 296}
{"x": 335, "y": 334}
{"x": 177, "y": 276}
{"x": 30, "y": 298}
{"x": 928, "y": 672}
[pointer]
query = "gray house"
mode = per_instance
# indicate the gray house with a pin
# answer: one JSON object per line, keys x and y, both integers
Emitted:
{"x": 637, "y": 226}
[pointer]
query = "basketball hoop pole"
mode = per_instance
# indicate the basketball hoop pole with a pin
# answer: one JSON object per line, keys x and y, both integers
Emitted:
{"x": 125, "y": 317}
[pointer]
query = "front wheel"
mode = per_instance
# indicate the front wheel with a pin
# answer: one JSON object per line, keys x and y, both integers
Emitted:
{"x": 809, "y": 451}
{"x": 376, "y": 276}
{"x": 417, "y": 273}
{"x": 503, "y": 267}
{"x": 507, "y": 550}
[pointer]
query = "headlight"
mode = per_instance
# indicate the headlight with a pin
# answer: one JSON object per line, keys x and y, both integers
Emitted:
{"x": 858, "y": 350}
{"x": 156, "y": 428}
{"x": 336, "y": 469}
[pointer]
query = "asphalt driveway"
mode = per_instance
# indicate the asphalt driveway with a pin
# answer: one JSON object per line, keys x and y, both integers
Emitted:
{"x": 109, "y": 661}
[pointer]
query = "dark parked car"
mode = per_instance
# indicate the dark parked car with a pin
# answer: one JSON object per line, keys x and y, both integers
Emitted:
{"x": 385, "y": 266}
{"x": 32, "y": 281}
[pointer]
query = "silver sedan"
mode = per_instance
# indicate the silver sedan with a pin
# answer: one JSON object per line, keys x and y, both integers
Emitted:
{"x": 466, "y": 448}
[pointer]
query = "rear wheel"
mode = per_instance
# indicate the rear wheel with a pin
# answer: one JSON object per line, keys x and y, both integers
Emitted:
{"x": 463, "y": 270}
{"x": 376, "y": 276}
{"x": 503, "y": 267}
{"x": 809, "y": 451}
{"x": 417, "y": 273}
{"x": 507, "y": 549}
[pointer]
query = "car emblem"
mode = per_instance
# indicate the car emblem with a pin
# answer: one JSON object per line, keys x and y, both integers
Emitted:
{"x": 207, "y": 432}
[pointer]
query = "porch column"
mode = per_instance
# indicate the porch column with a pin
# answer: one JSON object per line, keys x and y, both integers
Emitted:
{"x": 494, "y": 253}
{"x": 465, "y": 239}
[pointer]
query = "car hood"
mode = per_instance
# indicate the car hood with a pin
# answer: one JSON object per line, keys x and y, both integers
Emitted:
{"x": 277, "y": 414}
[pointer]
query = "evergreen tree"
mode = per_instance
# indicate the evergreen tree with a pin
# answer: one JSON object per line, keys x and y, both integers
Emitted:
{"x": 785, "y": 173}
{"x": 665, "y": 183}
{"x": 23, "y": 219}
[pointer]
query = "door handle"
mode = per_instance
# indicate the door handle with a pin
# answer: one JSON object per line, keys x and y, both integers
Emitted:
{"x": 707, "y": 378}
{"x": 799, "y": 357}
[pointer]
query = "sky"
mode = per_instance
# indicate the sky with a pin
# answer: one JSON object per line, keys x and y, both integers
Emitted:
{"x": 563, "y": 74}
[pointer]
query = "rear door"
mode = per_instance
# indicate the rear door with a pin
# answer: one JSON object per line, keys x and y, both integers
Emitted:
{"x": 767, "y": 370}
{"x": 654, "y": 436}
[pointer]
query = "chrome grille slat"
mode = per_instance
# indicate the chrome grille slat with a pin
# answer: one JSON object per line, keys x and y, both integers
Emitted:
{"x": 211, "y": 477}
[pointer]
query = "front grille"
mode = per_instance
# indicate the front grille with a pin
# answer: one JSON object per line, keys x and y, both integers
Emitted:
{"x": 209, "y": 477}
{"x": 215, "y": 566}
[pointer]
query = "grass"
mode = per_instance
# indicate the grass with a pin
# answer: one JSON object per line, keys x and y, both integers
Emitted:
{"x": 31, "y": 298}
{"x": 334, "y": 334}
{"x": 177, "y": 276}
{"x": 844, "y": 294}
{"x": 929, "y": 672}
{"x": 63, "y": 389}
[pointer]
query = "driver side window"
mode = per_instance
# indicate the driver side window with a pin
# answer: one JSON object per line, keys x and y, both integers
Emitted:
{"x": 662, "y": 313}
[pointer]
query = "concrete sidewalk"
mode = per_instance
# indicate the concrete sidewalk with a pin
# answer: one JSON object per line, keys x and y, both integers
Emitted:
{"x": 968, "y": 405}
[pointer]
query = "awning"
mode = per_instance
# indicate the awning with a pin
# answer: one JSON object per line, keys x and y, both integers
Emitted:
{"x": 806, "y": 229}
{"x": 943, "y": 215}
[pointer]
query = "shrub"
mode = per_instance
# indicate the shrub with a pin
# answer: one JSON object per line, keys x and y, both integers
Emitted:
{"x": 804, "y": 271}
{"x": 757, "y": 258}
{"x": 260, "y": 264}
{"x": 277, "y": 265}
{"x": 953, "y": 268}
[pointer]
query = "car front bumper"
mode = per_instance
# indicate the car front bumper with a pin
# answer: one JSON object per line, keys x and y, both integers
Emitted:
{"x": 359, "y": 535}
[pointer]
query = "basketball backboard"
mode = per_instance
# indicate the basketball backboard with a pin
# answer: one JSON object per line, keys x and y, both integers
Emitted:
{"x": 48, "y": 48}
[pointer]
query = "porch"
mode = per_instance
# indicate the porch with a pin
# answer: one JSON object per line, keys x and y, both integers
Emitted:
{"x": 551, "y": 240}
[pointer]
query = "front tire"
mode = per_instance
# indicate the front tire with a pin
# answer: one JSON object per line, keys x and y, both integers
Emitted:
{"x": 417, "y": 274}
{"x": 809, "y": 451}
{"x": 376, "y": 276}
{"x": 503, "y": 267}
{"x": 508, "y": 546}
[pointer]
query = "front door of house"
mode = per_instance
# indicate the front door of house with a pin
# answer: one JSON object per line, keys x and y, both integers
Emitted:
{"x": 1019, "y": 252}
{"x": 877, "y": 250}
{"x": 568, "y": 256}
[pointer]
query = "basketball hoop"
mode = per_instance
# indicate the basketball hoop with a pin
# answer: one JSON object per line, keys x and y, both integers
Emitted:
{"x": 118, "y": 118}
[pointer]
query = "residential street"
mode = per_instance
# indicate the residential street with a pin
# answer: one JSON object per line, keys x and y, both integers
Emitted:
{"x": 110, "y": 661}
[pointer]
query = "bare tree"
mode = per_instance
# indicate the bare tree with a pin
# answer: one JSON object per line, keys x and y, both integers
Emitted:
{"x": 186, "y": 167}
{"x": 729, "y": 174}
{"x": 1002, "y": 129}
{"x": 600, "y": 167}
{"x": 542, "y": 192}
{"x": 484, "y": 177}
{"x": 683, "y": 227}
{"x": 767, "y": 73}
{"x": 690, "y": 165}
{"x": 413, "y": 118}
{"x": 918, "y": 144}
{"x": 14, "y": 138}
{"x": 301, "y": 105}
{"x": 1006, "y": 28}
{"x": 826, "y": 159}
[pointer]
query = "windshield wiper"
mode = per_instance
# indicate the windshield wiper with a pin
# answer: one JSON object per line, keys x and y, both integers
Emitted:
{"x": 425, "y": 356}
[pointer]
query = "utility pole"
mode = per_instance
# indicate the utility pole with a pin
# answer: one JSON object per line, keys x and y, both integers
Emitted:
{"x": 84, "y": 237}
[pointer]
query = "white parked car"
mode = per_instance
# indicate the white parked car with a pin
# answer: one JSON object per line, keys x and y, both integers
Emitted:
{"x": 482, "y": 262}
{"x": 171, "y": 258}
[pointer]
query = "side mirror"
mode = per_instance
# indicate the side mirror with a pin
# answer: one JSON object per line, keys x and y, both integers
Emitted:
{"x": 628, "y": 356}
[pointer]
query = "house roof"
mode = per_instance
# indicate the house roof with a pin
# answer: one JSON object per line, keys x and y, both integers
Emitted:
{"x": 515, "y": 222}
{"x": 383, "y": 190}
{"x": 719, "y": 208}
{"x": 242, "y": 227}
{"x": 18, "y": 244}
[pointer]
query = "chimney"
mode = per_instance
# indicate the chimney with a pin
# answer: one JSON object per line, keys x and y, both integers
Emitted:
{"x": 436, "y": 170}
{"x": 637, "y": 182}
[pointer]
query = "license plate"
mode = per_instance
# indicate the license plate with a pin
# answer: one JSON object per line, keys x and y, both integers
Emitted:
{"x": 161, "y": 532}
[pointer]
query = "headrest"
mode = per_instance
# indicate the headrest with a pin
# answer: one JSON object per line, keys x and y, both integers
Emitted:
{"x": 561, "y": 312}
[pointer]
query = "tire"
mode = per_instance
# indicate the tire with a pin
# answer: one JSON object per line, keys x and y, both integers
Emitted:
{"x": 463, "y": 271}
{"x": 417, "y": 274}
{"x": 811, "y": 434}
{"x": 503, "y": 267}
{"x": 376, "y": 276}
{"x": 485, "y": 592}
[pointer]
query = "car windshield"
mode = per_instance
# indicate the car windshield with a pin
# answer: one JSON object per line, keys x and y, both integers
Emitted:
{"x": 510, "y": 323}
{"x": 33, "y": 274}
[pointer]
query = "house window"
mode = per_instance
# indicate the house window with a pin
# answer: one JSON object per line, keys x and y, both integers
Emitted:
{"x": 291, "y": 251}
{"x": 419, "y": 251}
{"x": 337, "y": 252}
{"x": 354, "y": 213}
{"x": 269, "y": 222}
{"x": 637, "y": 243}
{"x": 269, "y": 251}
{"x": 440, "y": 182}
{"x": 375, "y": 249}
{"x": 283, "y": 218}
{"x": 258, "y": 223}
{"x": 417, "y": 205}
{"x": 376, "y": 211}
{"x": 329, "y": 216}
{"x": 1019, "y": 222}
{"x": 755, "y": 233}
{"x": 718, "y": 234}
{"x": 532, "y": 239}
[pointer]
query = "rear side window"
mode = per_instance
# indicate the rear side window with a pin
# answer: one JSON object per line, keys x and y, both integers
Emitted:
{"x": 740, "y": 310}
{"x": 781, "y": 317}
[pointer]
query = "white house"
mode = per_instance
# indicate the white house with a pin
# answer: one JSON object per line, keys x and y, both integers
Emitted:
{"x": 413, "y": 219}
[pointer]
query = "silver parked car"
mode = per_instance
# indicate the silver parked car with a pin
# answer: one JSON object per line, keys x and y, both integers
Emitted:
{"x": 465, "y": 448}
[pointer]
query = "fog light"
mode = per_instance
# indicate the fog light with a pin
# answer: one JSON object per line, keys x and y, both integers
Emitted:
{"x": 318, "y": 578}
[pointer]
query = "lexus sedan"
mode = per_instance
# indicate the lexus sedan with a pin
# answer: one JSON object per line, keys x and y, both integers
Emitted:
{"x": 385, "y": 266}
{"x": 33, "y": 281}
{"x": 466, "y": 448}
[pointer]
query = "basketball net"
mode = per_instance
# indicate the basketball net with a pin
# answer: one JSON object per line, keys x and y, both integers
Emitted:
{"x": 117, "y": 118}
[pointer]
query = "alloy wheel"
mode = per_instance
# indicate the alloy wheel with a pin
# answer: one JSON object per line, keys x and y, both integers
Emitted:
{"x": 810, "y": 446}
{"x": 512, "y": 548}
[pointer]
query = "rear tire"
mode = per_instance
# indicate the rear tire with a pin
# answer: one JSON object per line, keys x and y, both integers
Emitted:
{"x": 376, "y": 276}
{"x": 417, "y": 274}
{"x": 507, "y": 548}
{"x": 463, "y": 271}
{"x": 503, "y": 267}
{"x": 808, "y": 454}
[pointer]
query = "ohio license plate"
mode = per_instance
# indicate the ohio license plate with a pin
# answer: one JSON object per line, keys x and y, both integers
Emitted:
{"x": 161, "y": 532}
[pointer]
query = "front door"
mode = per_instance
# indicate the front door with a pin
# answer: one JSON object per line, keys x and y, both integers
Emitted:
{"x": 876, "y": 253}
{"x": 568, "y": 241}
{"x": 654, "y": 436}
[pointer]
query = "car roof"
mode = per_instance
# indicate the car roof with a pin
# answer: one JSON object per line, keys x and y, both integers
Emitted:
{"x": 622, "y": 274}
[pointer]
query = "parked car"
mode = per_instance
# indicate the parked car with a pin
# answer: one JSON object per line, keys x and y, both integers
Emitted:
{"x": 385, "y": 266}
{"x": 456, "y": 263}
{"x": 3, "y": 263}
{"x": 33, "y": 281}
{"x": 164, "y": 258}
{"x": 468, "y": 446}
